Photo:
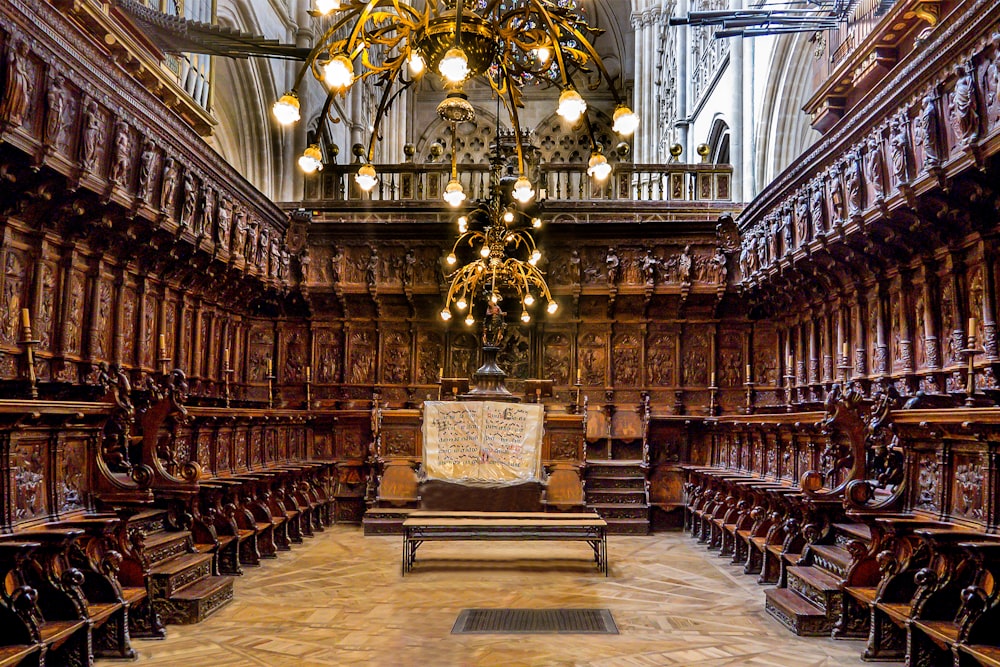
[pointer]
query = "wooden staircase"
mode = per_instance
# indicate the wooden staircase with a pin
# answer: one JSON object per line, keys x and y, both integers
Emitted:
{"x": 182, "y": 585}
{"x": 617, "y": 491}
{"x": 809, "y": 601}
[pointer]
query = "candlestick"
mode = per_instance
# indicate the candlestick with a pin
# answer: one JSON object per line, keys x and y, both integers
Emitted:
{"x": 845, "y": 350}
{"x": 225, "y": 357}
{"x": 788, "y": 362}
{"x": 749, "y": 375}
{"x": 972, "y": 326}
{"x": 269, "y": 368}
{"x": 163, "y": 345}
{"x": 578, "y": 376}
{"x": 25, "y": 318}
{"x": 712, "y": 383}
{"x": 29, "y": 343}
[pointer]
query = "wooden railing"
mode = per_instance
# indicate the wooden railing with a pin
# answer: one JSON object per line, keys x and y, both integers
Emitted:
{"x": 859, "y": 25}
{"x": 560, "y": 181}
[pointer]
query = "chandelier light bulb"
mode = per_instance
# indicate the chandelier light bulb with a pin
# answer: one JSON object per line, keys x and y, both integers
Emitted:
{"x": 454, "y": 66}
{"x": 625, "y": 121}
{"x": 525, "y": 317}
{"x": 536, "y": 222}
{"x": 494, "y": 297}
{"x": 528, "y": 299}
{"x": 552, "y": 307}
{"x": 571, "y": 105}
{"x": 461, "y": 304}
{"x": 311, "y": 159}
{"x": 522, "y": 192}
{"x": 598, "y": 166}
{"x": 324, "y": 7}
{"x": 470, "y": 320}
{"x": 286, "y": 109}
{"x": 339, "y": 72}
{"x": 445, "y": 314}
{"x": 508, "y": 216}
{"x": 366, "y": 177}
{"x": 543, "y": 54}
{"x": 451, "y": 259}
{"x": 416, "y": 63}
{"x": 536, "y": 254}
{"x": 463, "y": 224}
{"x": 484, "y": 251}
{"x": 453, "y": 193}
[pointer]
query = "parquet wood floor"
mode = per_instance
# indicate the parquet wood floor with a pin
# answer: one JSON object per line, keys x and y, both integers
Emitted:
{"x": 339, "y": 600}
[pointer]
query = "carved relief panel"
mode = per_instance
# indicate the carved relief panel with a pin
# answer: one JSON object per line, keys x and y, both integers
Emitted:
{"x": 660, "y": 358}
{"x": 327, "y": 354}
{"x": 464, "y": 355}
{"x": 556, "y": 353}
{"x": 626, "y": 355}
{"x": 592, "y": 358}
{"x": 13, "y": 294}
{"x": 72, "y": 475}
{"x": 430, "y": 356}
{"x": 29, "y": 462}
{"x": 396, "y": 356}
{"x": 968, "y": 486}
{"x": 361, "y": 356}
{"x": 730, "y": 370}
{"x": 296, "y": 354}
{"x": 261, "y": 352}
{"x": 695, "y": 357}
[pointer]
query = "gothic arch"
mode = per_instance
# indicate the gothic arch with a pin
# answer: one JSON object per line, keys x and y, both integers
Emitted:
{"x": 784, "y": 131}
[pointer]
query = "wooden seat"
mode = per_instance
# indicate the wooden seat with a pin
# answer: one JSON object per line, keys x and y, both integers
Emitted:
{"x": 989, "y": 656}
{"x": 15, "y": 655}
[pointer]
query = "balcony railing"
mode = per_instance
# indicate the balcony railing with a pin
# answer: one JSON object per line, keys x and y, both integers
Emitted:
{"x": 565, "y": 182}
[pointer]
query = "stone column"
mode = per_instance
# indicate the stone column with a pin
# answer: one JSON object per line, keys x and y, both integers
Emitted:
{"x": 736, "y": 113}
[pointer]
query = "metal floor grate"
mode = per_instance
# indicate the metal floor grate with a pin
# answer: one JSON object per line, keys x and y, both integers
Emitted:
{"x": 530, "y": 621}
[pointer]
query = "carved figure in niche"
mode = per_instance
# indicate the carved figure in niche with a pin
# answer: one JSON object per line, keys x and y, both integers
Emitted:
{"x": 409, "y": 263}
{"x": 574, "y": 267}
{"x": 874, "y": 167}
{"x": 207, "y": 226}
{"x": 17, "y": 90}
{"x": 146, "y": 162}
{"x": 190, "y": 192}
{"x": 926, "y": 130}
{"x": 169, "y": 185}
{"x": 238, "y": 219}
{"x": 717, "y": 270}
{"x": 305, "y": 262}
{"x": 817, "y": 209}
{"x": 253, "y": 229}
{"x": 275, "y": 257}
{"x": 285, "y": 265}
{"x": 55, "y": 98}
{"x": 91, "y": 135}
{"x": 898, "y": 144}
{"x": 626, "y": 367}
{"x": 371, "y": 269}
{"x": 429, "y": 359}
{"x": 225, "y": 223}
{"x": 395, "y": 362}
{"x": 660, "y": 360}
{"x": 852, "y": 176}
{"x": 836, "y": 189}
{"x": 261, "y": 251}
{"x": 695, "y": 363}
{"x": 123, "y": 153}
{"x": 760, "y": 259}
{"x": 964, "y": 115}
{"x": 29, "y": 482}
{"x": 802, "y": 217}
{"x": 772, "y": 232}
{"x": 684, "y": 265}
{"x": 613, "y": 265}
{"x": 786, "y": 229}
{"x": 991, "y": 82}
{"x": 364, "y": 358}
{"x": 335, "y": 263}
{"x": 649, "y": 266}
{"x": 744, "y": 259}
{"x": 11, "y": 304}
{"x": 495, "y": 325}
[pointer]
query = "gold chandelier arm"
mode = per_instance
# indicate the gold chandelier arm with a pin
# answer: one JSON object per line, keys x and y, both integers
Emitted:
{"x": 516, "y": 122}
{"x": 597, "y": 60}
{"x": 380, "y": 113}
{"x": 454, "y": 143}
{"x": 557, "y": 46}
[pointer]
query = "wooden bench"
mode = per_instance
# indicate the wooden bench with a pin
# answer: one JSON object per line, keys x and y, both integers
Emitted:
{"x": 429, "y": 526}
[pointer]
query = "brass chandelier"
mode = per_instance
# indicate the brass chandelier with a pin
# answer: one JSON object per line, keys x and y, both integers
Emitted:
{"x": 507, "y": 43}
{"x": 504, "y": 256}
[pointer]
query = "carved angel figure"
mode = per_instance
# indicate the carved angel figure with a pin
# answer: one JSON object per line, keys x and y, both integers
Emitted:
{"x": 897, "y": 148}
{"x": 614, "y": 266}
{"x": 874, "y": 166}
{"x": 91, "y": 135}
{"x": 123, "y": 156}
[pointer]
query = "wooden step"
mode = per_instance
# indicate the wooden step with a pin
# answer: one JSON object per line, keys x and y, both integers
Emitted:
{"x": 631, "y": 496}
{"x": 162, "y": 546}
{"x": 611, "y": 483}
{"x": 197, "y": 601}
{"x": 628, "y": 526}
{"x": 833, "y": 559}
{"x": 817, "y": 586}
{"x": 796, "y": 613}
{"x": 168, "y": 577}
{"x": 148, "y": 521}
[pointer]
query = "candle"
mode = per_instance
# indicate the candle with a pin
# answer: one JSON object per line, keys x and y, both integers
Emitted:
{"x": 972, "y": 326}
{"x": 225, "y": 356}
{"x": 845, "y": 349}
{"x": 578, "y": 376}
{"x": 748, "y": 372}
{"x": 163, "y": 345}
{"x": 308, "y": 374}
{"x": 788, "y": 363}
{"x": 713, "y": 378}
{"x": 441, "y": 372}
{"x": 25, "y": 319}
{"x": 268, "y": 366}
